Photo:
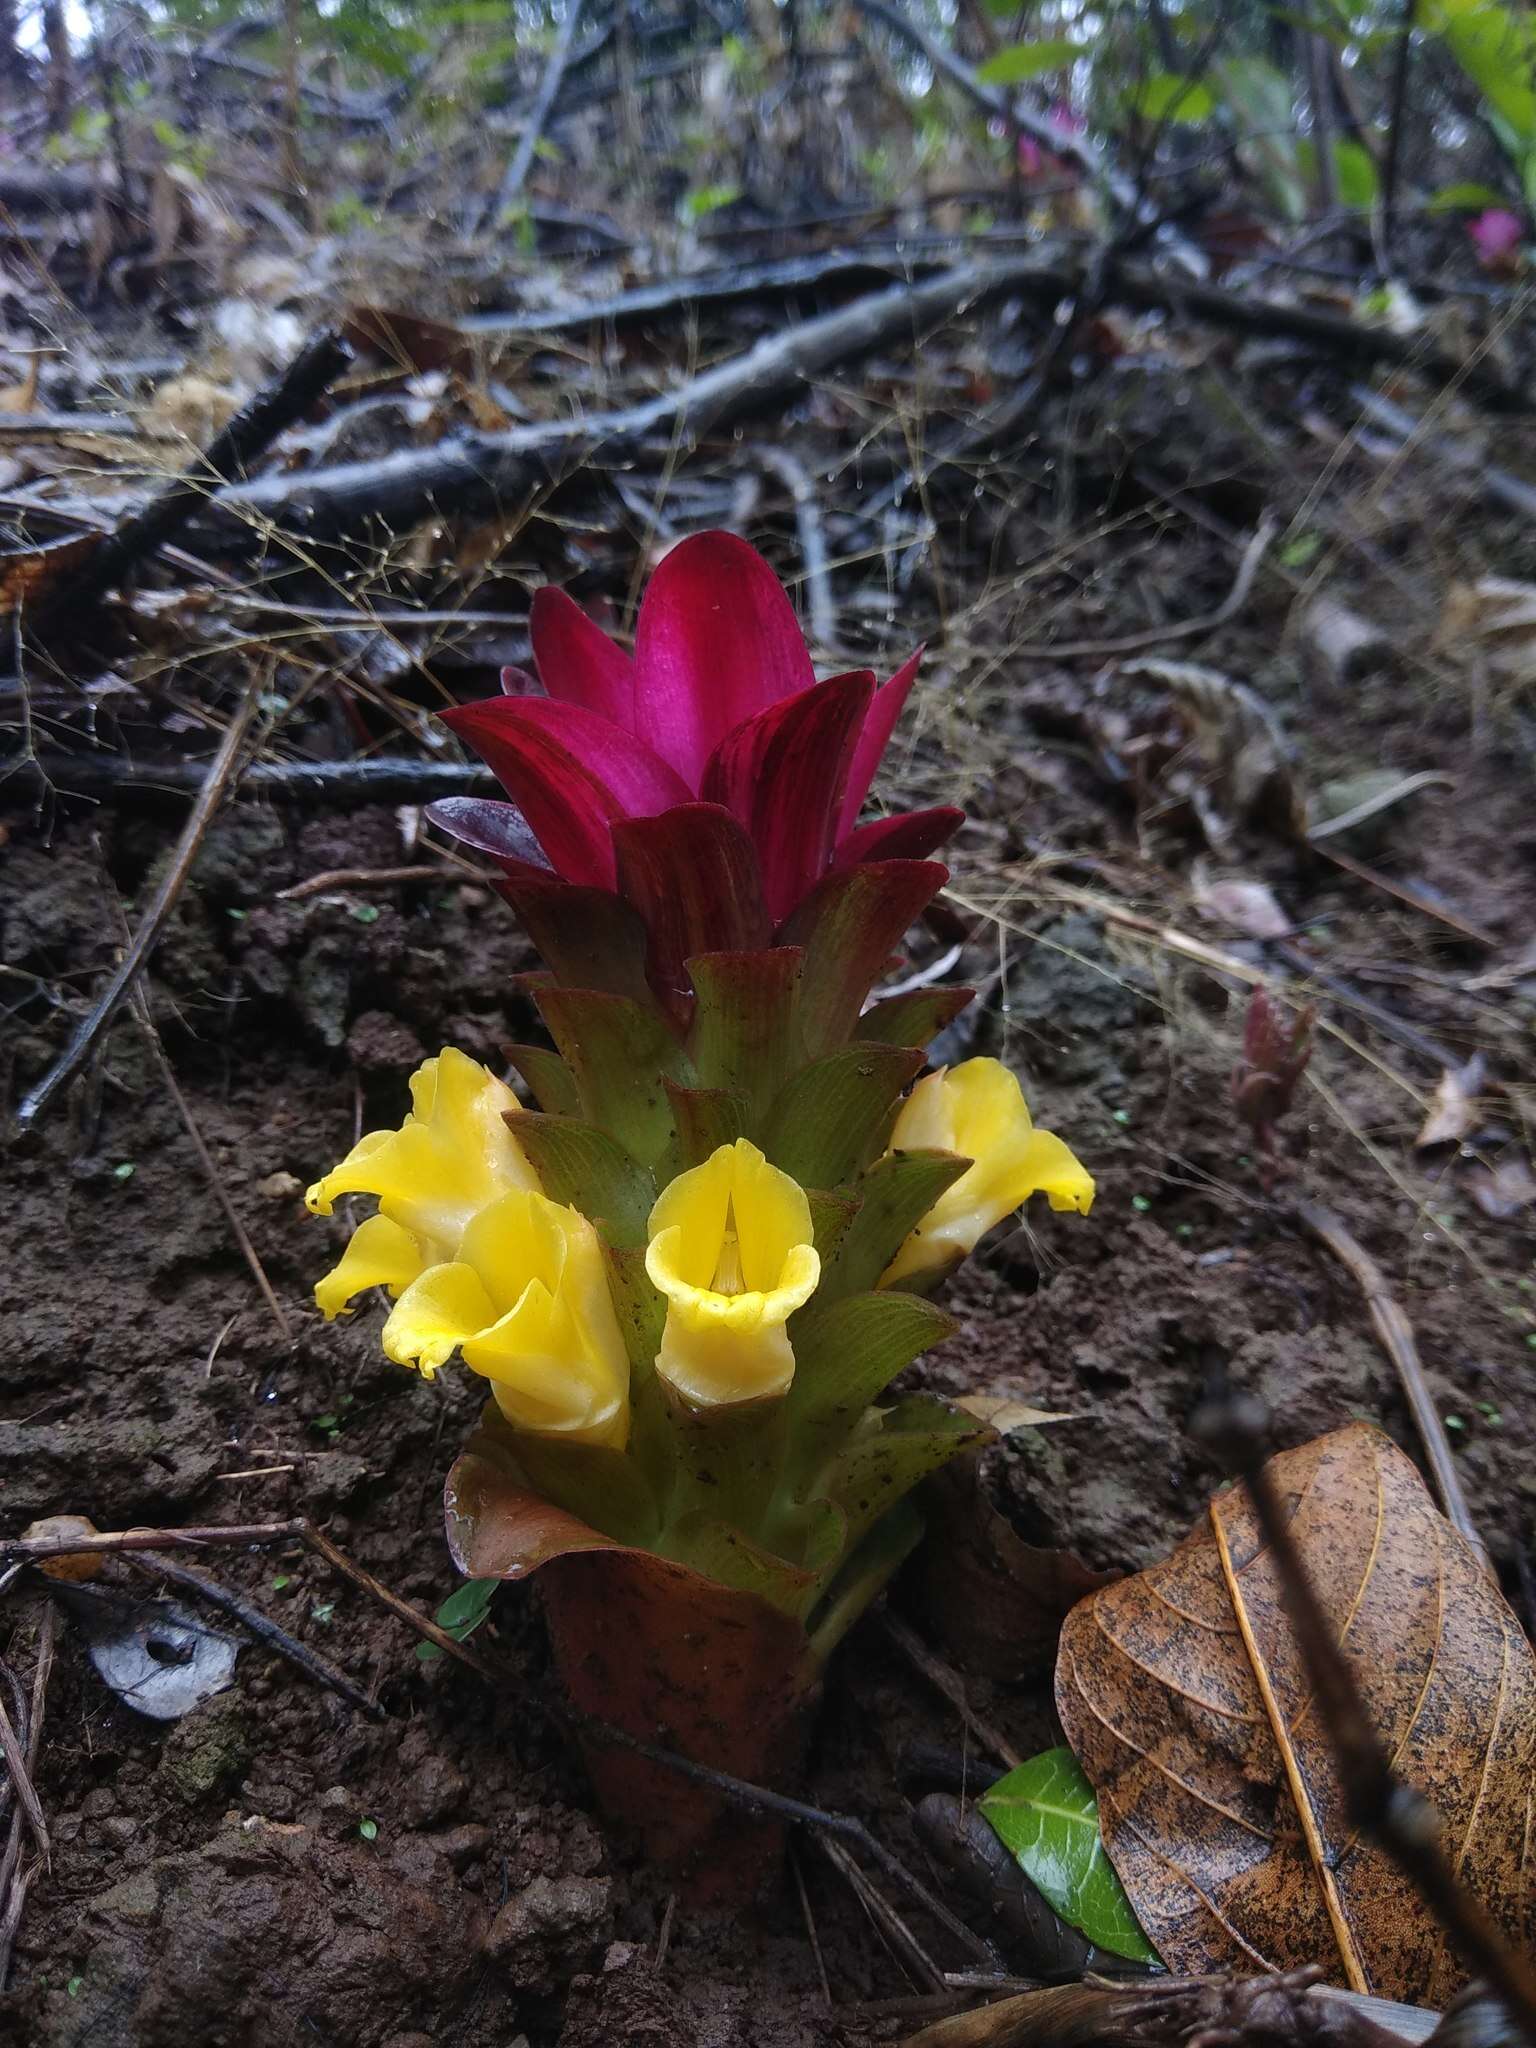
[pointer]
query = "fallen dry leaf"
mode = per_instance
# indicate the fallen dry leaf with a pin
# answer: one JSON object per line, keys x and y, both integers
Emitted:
{"x": 1246, "y": 907}
{"x": 1453, "y": 1106}
{"x": 1338, "y": 642}
{"x": 1244, "y": 770}
{"x": 1184, "y": 1694}
{"x": 991, "y": 1601}
{"x": 1503, "y": 1191}
{"x": 1003, "y": 1412}
{"x": 1495, "y": 617}
{"x": 22, "y": 397}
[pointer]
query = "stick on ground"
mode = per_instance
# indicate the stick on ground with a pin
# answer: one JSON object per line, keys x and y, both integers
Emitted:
{"x": 1400, "y": 1345}
{"x": 216, "y": 781}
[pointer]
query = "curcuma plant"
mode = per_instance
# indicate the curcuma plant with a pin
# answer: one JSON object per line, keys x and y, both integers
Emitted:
{"x": 690, "y": 1275}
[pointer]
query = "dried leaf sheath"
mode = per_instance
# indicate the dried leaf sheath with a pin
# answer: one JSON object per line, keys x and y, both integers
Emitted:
{"x": 1184, "y": 1694}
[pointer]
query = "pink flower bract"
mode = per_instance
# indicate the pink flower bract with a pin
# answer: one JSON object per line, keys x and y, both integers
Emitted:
{"x": 718, "y": 704}
{"x": 1498, "y": 235}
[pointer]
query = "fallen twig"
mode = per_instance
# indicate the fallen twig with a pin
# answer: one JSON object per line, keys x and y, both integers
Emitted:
{"x": 265, "y": 1630}
{"x": 819, "y": 604}
{"x": 1174, "y": 629}
{"x": 216, "y": 780}
{"x": 758, "y": 1799}
{"x": 14, "y": 1879}
{"x": 430, "y": 1631}
{"x": 476, "y": 470}
{"x": 377, "y": 778}
{"x": 1400, "y": 1345}
{"x": 21, "y": 1782}
{"x": 110, "y": 1542}
{"x": 952, "y": 1686}
{"x": 1496, "y": 485}
{"x": 884, "y": 1915}
{"x": 857, "y": 269}
{"x": 549, "y": 86}
{"x": 445, "y": 870}
{"x": 146, "y": 1023}
{"x": 249, "y": 434}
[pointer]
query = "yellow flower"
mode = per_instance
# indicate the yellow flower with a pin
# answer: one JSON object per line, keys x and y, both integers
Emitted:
{"x": 526, "y": 1302}
{"x": 452, "y": 1157}
{"x": 731, "y": 1250}
{"x": 977, "y": 1109}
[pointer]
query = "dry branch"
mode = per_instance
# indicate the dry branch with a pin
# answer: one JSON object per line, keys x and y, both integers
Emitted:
{"x": 476, "y": 471}
{"x": 1400, "y": 1345}
{"x": 522, "y": 157}
{"x": 249, "y": 434}
{"x": 380, "y": 778}
{"x": 738, "y": 285}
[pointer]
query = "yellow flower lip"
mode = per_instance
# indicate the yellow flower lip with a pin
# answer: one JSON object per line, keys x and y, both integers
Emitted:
{"x": 730, "y": 1248}
{"x": 450, "y": 1159}
{"x": 977, "y": 1109}
{"x": 480, "y": 1262}
{"x": 526, "y": 1304}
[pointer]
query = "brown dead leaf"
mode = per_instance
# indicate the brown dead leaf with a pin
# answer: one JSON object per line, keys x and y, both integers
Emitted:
{"x": 29, "y": 574}
{"x": 1002, "y": 1412}
{"x": 1243, "y": 770}
{"x": 1246, "y": 907}
{"x": 1503, "y": 1191}
{"x": 22, "y": 397}
{"x": 1185, "y": 1697}
{"x": 992, "y": 1602}
{"x": 409, "y": 343}
{"x": 1494, "y": 617}
{"x": 1453, "y": 1106}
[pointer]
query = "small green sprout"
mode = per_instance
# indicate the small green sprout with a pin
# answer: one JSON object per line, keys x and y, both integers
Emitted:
{"x": 369, "y": 1830}
{"x": 461, "y": 1614}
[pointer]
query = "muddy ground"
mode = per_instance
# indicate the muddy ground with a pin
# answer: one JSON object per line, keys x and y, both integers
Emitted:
{"x": 278, "y": 1867}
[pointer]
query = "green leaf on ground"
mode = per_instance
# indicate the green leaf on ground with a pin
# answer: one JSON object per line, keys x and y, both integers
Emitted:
{"x": 461, "y": 1614}
{"x": 1046, "y": 1815}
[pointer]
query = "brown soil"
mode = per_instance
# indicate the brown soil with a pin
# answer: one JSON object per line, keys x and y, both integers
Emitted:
{"x": 212, "y": 1881}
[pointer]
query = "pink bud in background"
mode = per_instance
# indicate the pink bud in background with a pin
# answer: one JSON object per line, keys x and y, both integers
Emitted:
{"x": 1498, "y": 234}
